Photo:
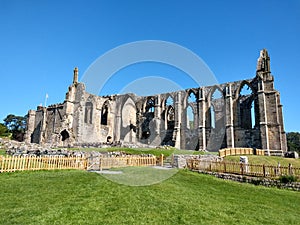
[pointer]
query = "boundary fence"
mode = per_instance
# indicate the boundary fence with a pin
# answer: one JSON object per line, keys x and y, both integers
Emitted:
{"x": 240, "y": 151}
{"x": 22, "y": 163}
{"x": 99, "y": 163}
{"x": 243, "y": 169}
{"x": 17, "y": 163}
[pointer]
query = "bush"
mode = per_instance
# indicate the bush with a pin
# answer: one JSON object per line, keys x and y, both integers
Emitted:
{"x": 4, "y": 132}
{"x": 256, "y": 181}
{"x": 287, "y": 179}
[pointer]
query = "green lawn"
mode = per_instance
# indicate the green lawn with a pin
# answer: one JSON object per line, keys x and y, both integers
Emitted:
{"x": 2, "y": 152}
{"x": 137, "y": 151}
{"x": 267, "y": 160}
{"x": 80, "y": 197}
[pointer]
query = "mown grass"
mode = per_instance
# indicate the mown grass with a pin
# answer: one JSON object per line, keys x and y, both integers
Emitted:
{"x": 79, "y": 197}
{"x": 137, "y": 151}
{"x": 2, "y": 152}
{"x": 267, "y": 160}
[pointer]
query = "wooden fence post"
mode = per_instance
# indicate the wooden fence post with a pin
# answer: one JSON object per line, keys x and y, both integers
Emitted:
{"x": 264, "y": 170}
{"x": 100, "y": 163}
{"x": 161, "y": 160}
{"x": 290, "y": 169}
{"x": 242, "y": 168}
{"x": 172, "y": 160}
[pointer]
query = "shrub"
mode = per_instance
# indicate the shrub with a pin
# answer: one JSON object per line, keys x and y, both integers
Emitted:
{"x": 287, "y": 179}
{"x": 256, "y": 181}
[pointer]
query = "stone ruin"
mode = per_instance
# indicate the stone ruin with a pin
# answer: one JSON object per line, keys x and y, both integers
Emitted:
{"x": 203, "y": 118}
{"x": 21, "y": 149}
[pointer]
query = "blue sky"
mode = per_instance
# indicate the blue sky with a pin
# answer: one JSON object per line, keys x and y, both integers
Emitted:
{"x": 42, "y": 41}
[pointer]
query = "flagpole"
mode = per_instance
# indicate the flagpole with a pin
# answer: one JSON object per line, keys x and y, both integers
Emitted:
{"x": 46, "y": 100}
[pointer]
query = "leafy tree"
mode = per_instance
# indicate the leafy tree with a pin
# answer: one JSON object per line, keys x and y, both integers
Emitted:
{"x": 293, "y": 141}
{"x": 4, "y": 132}
{"x": 16, "y": 125}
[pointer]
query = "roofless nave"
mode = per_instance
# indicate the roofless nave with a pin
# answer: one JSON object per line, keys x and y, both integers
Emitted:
{"x": 203, "y": 118}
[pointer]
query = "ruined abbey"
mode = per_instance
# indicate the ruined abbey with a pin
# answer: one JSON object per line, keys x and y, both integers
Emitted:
{"x": 245, "y": 113}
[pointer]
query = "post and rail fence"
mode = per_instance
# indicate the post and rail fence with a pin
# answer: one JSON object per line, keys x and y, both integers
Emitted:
{"x": 240, "y": 151}
{"x": 23, "y": 163}
{"x": 99, "y": 163}
{"x": 243, "y": 169}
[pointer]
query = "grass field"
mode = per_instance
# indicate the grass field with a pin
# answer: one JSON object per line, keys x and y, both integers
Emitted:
{"x": 267, "y": 160}
{"x": 137, "y": 151}
{"x": 80, "y": 197}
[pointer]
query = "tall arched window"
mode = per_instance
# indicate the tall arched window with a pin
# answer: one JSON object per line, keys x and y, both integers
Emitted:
{"x": 216, "y": 103}
{"x": 246, "y": 107}
{"x": 190, "y": 118}
{"x": 170, "y": 118}
{"x": 212, "y": 117}
{"x": 190, "y": 113}
{"x": 253, "y": 117}
{"x": 169, "y": 101}
{"x": 104, "y": 113}
{"x": 150, "y": 105}
{"x": 170, "y": 113}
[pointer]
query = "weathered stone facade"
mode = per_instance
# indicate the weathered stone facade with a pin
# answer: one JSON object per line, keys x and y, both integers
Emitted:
{"x": 203, "y": 118}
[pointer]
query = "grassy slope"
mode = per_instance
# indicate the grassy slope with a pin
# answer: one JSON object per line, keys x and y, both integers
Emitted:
{"x": 267, "y": 160}
{"x": 79, "y": 197}
{"x": 154, "y": 151}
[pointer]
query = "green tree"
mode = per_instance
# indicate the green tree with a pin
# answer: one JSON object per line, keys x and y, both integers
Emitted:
{"x": 16, "y": 125}
{"x": 4, "y": 132}
{"x": 293, "y": 141}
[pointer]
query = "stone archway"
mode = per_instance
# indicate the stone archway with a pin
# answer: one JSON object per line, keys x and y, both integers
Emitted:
{"x": 64, "y": 135}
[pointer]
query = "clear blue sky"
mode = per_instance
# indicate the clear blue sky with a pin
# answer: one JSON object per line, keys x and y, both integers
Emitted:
{"x": 42, "y": 41}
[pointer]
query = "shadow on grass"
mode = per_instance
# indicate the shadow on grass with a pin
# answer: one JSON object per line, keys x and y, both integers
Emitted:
{"x": 139, "y": 176}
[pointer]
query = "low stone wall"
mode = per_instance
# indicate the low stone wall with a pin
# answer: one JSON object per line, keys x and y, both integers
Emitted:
{"x": 255, "y": 180}
{"x": 15, "y": 148}
{"x": 179, "y": 161}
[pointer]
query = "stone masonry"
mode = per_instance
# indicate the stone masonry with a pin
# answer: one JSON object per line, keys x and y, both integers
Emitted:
{"x": 203, "y": 118}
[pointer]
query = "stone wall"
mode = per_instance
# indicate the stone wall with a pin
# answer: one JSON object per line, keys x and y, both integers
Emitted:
{"x": 255, "y": 180}
{"x": 180, "y": 161}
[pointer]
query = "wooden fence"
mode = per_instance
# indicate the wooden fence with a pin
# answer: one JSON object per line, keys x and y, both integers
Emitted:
{"x": 240, "y": 151}
{"x": 17, "y": 163}
{"x": 99, "y": 163}
{"x": 243, "y": 169}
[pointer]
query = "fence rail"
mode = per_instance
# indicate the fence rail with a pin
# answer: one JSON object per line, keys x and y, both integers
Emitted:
{"x": 16, "y": 163}
{"x": 243, "y": 169}
{"x": 19, "y": 163}
{"x": 240, "y": 151}
{"x": 113, "y": 162}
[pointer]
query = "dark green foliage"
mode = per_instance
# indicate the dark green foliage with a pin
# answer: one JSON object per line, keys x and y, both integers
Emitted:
{"x": 287, "y": 179}
{"x": 256, "y": 181}
{"x": 293, "y": 141}
{"x": 16, "y": 125}
{"x": 4, "y": 132}
{"x": 244, "y": 179}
